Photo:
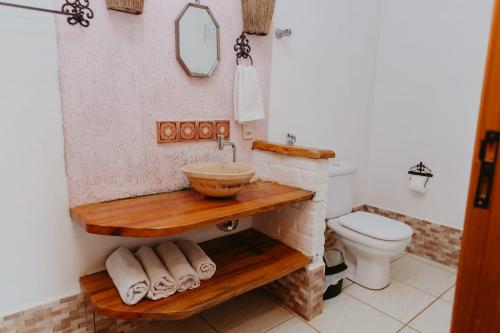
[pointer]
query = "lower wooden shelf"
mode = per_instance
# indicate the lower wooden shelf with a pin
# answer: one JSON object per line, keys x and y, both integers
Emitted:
{"x": 245, "y": 261}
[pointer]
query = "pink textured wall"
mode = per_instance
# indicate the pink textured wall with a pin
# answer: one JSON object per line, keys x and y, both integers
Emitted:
{"x": 120, "y": 75}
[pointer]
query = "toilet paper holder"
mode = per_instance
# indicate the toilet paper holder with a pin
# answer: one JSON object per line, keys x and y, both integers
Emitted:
{"x": 421, "y": 170}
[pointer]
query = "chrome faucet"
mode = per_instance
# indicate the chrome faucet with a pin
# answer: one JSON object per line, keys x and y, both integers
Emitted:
{"x": 221, "y": 142}
{"x": 290, "y": 139}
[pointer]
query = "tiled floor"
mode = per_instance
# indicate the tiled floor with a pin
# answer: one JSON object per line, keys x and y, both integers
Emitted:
{"x": 419, "y": 299}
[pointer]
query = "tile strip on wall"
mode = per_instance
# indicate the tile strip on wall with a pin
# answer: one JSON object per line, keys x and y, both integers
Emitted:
{"x": 436, "y": 242}
{"x": 190, "y": 130}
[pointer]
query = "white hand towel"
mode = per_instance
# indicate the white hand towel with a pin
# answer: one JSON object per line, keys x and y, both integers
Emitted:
{"x": 162, "y": 284}
{"x": 127, "y": 275}
{"x": 201, "y": 263}
{"x": 178, "y": 266}
{"x": 248, "y": 105}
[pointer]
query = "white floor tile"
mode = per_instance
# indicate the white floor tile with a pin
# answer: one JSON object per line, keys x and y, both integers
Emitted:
{"x": 346, "y": 283}
{"x": 293, "y": 325}
{"x": 398, "y": 256}
{"x": 398, "y": 300}
{"x": 435, "y": 319}
{"x": 421, "y": 275}
{"x": 407, "y": 329}
{"x": 193, "y": 324}
{"x": 344, "y": 314}
{"x": 438, "y": 265}
{"x": 253, "y": 312}
{"x": 449, "y": 296}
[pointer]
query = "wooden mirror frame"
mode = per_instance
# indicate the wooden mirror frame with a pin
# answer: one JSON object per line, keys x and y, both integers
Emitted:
{"x": 177, "y": 40}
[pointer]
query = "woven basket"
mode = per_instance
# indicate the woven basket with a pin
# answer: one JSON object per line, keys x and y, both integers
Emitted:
{"x": 127, "y": 6}
{"x": 257, "y": 16}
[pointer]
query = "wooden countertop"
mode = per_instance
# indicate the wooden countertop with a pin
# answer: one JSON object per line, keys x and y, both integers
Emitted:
{"x": 306, "y": 152}
{"x": 245, "y": 261}
{"x": 171, "y": 213}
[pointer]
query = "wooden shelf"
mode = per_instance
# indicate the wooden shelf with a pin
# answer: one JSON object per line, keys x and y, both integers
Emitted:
{"x": 245, "y": 261}
{"x": 313, "y": 153}
{"x": 171, "y": 213}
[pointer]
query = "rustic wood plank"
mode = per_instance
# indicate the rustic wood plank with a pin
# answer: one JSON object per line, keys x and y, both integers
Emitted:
{"x": 245, "y": 261}
{"x": 299, "y": 151}
{"x": 477, "y": 296}
{"x": 171, "y": 213}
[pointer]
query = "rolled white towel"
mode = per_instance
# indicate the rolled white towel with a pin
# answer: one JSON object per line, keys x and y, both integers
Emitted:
{"x": 200, "y": 262}
{"x": 178, "y": 266}
{"x": 127, "y": 275}
{"x": 162, "y": 284}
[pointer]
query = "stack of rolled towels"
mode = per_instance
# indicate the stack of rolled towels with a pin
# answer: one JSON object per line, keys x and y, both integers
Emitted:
{"x": 175, "y": 267}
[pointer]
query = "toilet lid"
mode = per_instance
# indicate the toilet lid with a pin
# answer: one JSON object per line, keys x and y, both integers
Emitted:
{"x": 376, "y": 226}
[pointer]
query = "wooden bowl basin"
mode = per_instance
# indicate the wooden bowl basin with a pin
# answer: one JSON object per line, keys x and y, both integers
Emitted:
{"x": 218, "y": 179}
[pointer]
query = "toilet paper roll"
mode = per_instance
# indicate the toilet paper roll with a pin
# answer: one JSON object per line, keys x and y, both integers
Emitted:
{"x": 418, "y": 184}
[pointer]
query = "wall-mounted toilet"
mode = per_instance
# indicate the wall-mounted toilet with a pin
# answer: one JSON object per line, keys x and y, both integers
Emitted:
{"x": 368, "y": 241}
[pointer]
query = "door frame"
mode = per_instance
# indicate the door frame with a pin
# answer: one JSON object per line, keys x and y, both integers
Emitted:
{"x": 477, "y": 297}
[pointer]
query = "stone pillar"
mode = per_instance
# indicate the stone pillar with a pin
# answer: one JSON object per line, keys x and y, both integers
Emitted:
{"x": 301, "y": 226}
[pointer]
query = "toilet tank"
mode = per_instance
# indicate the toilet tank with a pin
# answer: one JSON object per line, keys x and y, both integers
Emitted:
{"x": 340, "y": 188}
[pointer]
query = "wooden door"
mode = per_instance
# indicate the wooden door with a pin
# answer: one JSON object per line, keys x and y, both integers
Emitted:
{"x": 477, "y": 298}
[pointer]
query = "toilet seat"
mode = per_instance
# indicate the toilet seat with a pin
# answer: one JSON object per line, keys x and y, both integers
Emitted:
{"x": 375, "y": 226}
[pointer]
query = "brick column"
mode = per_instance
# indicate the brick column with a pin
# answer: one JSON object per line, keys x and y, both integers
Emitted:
{"x": 301, "y": 226}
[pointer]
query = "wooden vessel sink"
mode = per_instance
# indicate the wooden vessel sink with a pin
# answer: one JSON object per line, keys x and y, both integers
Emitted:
{"x": 218, "y": 179}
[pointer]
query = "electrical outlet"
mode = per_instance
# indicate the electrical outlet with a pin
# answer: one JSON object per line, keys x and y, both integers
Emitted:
{"x": 248, "y": 130}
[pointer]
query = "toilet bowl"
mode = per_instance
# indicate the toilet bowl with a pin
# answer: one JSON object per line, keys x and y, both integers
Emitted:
{"x": 368, "y": 242}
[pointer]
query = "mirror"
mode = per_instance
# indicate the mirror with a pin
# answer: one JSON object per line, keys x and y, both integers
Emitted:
{"x": 197, "y": 40}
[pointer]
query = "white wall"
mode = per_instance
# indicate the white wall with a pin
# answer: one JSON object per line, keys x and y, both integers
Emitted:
{"x": 385, "y": 84}
{"x": 36, "y": 234}
{"x": 322, "y": 91}
{"x": 322, "y": 76}
{"x": 43, "y": 253}
{"x": 428, "y": 88}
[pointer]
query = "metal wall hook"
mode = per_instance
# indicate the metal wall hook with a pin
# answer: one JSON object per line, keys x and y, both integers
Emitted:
{"x": 283, "y": 33}
{"x": 78, "y": 11}
{"x": 242, "y": 48}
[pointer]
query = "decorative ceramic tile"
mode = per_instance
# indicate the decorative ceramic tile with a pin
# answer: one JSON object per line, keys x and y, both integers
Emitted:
{"x": 205, "y": 130}
{"x": 433, "y": 241}
{"x": 293, "y": 325}
{"x": 345, "y": 314}
{"x": 420, "y": 275}
{"x": 435, "y": 319}
{"x": 398, "y": 300}
{"x": 301, "y": 291}
{"x": 252, "y": 312}
{"x": 187, "y": 131}
{"x": 222, "y": 127}
{"x": 167, "y": 131}
{"x": 69, "y": 314}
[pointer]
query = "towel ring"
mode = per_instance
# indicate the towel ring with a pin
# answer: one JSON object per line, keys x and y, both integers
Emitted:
{"x": 242, "y": 48}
